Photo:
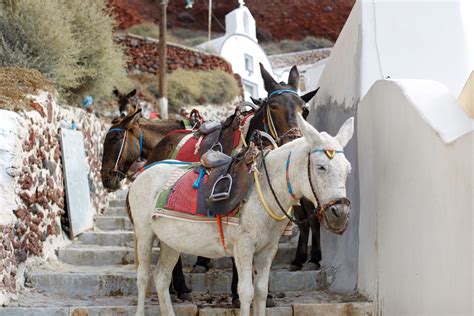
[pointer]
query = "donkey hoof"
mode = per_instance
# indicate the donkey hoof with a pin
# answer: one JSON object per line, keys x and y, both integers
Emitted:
{"x": 199, "y": 269}
{"x": 311, "y": 266}
{"x": 295, "y": 267}
{"x": 270, "y": 302}
{"x": 236, "y": 302}
{"x": 185, "y": 296}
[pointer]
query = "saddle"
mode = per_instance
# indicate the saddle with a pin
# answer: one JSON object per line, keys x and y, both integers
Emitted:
{"x": 229, "y": 179}
{"x": 210, "y": 131}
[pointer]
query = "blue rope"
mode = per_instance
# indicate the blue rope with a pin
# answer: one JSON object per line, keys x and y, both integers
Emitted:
{"x": 196, "y": 184}
{"x": 168, "y": 162}
{"x": 116, "y": 130}
{"x": 140, "y": 139}
{"x": 283, "y": 91}
{"x": 324, "y": 150}
{"x": 141, "y": 145}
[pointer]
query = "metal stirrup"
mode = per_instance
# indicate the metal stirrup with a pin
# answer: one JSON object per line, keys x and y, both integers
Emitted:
{"x": 221, "y": 195}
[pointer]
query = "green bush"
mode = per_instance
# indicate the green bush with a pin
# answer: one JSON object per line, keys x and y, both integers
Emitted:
{"x": 288, "y": 46}
{"x": 70, "y": 42}
{"x": 148, "y": 29}
{"x": 191, "y": 87}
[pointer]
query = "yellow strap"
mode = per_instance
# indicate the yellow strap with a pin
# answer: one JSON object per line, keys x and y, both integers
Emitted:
{"x": 271, "y": 126}
{"x": 269, "y": 211}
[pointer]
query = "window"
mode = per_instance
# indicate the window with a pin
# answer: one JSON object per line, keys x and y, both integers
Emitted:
{"x": 249, "y": 64}
{"x": 250, "y": 89}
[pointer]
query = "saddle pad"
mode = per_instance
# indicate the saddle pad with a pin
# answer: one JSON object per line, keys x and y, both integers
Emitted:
{"x": 179, "y": 196}
{"x": 159, "y": 212}
{"x": 185, "y": 151}
{"x": 186, "y": 199}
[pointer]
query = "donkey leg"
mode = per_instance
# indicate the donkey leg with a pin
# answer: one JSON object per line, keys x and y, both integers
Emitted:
{"x": 302, "y": 248}
{"x": 168, "y": 259}
{"x": 262, "y": 263}
{"x": 316, "y": 255}
{"x": 243, "y": 257}
{"x": 144, "y": 244}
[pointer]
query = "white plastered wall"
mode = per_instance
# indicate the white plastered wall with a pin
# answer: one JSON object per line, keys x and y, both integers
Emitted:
{"x": 416, "y": 176}
{"x": 422, "y": 39}
{"x": 10, "y": 164}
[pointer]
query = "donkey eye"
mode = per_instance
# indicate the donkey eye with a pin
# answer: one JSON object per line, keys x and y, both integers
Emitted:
{"x": 322, "y": 168}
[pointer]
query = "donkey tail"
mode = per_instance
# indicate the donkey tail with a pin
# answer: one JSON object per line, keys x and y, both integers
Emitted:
{"x": 129, "y": 213}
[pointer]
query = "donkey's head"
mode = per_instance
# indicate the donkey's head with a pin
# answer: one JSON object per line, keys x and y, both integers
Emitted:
{"x": 278, "y": 111}
{"x": 327, "y": 169}
{"x": 124, "y": 99}
{"x": 122, "y": 147}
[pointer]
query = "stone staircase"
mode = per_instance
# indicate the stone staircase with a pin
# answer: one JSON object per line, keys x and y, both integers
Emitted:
{"x": 95, "y": 275}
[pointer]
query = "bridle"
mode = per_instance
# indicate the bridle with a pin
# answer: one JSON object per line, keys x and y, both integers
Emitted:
{"x": 270, "y": 126}
{"x": 116, "y": 168}
{"x": 321, "y": 208}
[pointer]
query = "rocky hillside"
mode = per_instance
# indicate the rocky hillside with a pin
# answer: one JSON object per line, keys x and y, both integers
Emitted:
{"x": 276, "y": 20}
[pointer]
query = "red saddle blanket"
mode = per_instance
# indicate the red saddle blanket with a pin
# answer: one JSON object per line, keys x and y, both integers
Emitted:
{"x": 188, "y": 147}
{"x": 180, "y": 196}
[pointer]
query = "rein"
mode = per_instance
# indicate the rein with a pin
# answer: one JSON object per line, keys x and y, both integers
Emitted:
{"x": 122, "y": 146}
{"x": 271, "y": 129}
{"x": 321, "y": 209}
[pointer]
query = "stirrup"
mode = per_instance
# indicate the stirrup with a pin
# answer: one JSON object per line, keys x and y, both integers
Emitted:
{"x": 218, "y": 145}
{"x": 222, "y": 195}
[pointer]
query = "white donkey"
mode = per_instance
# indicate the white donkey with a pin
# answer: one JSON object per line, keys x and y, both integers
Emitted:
{"x": 317, "y": 169}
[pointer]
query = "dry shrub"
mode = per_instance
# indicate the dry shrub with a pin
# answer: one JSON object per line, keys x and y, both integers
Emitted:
{"x": 191, "y": 87}
{"x": 16, "y": 83}
{"x": 288, "y": 46}
{"x": 70, "y": 42}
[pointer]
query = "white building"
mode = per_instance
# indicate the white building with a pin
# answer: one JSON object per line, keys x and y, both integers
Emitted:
{"x": 240, "y": 47}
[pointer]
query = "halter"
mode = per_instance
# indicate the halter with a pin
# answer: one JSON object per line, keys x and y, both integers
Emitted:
{"x": 271, "y": 126}
{"x": 124, "y": 140}
{"x": 321, "y": 208}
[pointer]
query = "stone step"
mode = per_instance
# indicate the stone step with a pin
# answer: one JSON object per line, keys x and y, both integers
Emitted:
{"x": 118, "y": 281}
{"x": 115, "y": 211}
{"x": 293, "y": 304}
{"x": 113, "y": 223}
{"x": 107, "y": 238}
{"x": 91, "y": 255}
{"x": 120, "y": 202}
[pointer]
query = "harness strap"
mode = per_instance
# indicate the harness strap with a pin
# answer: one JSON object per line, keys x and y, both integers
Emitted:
{"x": 288, "y": 182}
{"x": 124, "y": 141}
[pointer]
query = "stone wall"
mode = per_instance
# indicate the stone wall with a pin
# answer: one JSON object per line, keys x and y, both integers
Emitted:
{"x": 32, "y": 190}
{"x": 144, "y": 56}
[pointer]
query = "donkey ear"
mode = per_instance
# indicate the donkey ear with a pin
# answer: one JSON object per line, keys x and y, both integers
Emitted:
{"x": 312, "y": 136}
{"x": 256, "y": 101}
{"x": 116, "y": 92}
{"x": 308, "y": 96}
{"x": 268, "y": 81}
{"x": 132, "y": 118}
{"x": 132, "y": 93}
{"x": 345, "y": 132}
{"x": 294, "y": 78}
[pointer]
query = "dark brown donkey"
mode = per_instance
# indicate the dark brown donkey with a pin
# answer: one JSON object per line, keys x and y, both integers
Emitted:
{"x": 276, "y": 116}
{"x": 130, "y": 139}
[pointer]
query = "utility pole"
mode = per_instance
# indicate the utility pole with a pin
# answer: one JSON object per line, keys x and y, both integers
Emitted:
{"x": 209, "y": 21}
{"x": 163, "y": 59}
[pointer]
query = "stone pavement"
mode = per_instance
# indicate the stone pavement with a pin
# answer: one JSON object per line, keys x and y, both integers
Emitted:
{"x": 95, "y": 275}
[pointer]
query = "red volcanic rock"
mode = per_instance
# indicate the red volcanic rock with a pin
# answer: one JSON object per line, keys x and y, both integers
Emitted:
{"x": 277, "y": 20}
{"x": 38, "y": 108}
{"x": 27, "y": 198}
{"x": 26, "y": 182}
{"x": 20, "y": 213}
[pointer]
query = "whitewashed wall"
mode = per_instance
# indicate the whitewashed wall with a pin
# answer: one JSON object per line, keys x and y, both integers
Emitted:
{"x": 234, "y": 49}
{"x": 416, "y": 177}
{"x": 386, "y": 38}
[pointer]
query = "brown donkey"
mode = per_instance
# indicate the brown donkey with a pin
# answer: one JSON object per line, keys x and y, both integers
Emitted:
{"x": 128, "y": 142}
